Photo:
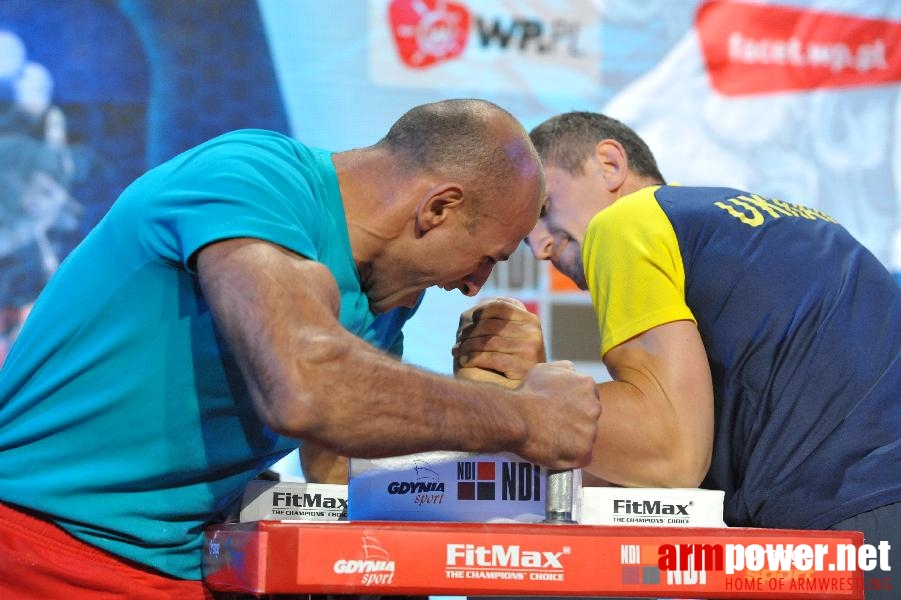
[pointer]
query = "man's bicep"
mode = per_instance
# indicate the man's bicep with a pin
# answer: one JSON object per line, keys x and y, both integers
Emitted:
{"x": 669, "y": 365}
{"x": 270, "y": 305}
{"x": 267, "y": 279}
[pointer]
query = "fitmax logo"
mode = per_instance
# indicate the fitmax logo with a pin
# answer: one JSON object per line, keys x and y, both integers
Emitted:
{"x": 470, "y": 555}
{"x": 287, "y": 499}
{"x": 648, "y": 507}
{"x": 427, "y": 32}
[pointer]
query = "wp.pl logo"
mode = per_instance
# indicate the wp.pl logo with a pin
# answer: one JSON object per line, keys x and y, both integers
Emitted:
{"x": 428, "y": 31}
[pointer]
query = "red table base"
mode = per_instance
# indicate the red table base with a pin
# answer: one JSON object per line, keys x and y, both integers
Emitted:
{"x": 391, "y": 558}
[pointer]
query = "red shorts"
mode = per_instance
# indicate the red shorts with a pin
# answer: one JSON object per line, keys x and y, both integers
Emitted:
{"x": 40, "y": 560}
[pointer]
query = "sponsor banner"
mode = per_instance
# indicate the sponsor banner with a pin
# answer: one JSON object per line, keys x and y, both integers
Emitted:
{"x": 658, "y": 507}
{"x": 538, "y": 559}
{"x": 757, "y": 48}
{"x": 486, "y": 46}
{"x": 448, "y": 486}
{"x": 293, "y": 501}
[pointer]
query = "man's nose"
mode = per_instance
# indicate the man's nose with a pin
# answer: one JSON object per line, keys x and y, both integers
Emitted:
{"x": 473, "y": 282}
{"x": 540, "y": 242}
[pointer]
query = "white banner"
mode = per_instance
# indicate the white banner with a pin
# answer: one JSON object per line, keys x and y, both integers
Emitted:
{"x": 539, "y": 47}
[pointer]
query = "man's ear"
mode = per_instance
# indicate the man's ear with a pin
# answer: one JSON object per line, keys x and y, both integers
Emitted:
{"x": 611, "y": 156}
{"x": 436, "y": 205}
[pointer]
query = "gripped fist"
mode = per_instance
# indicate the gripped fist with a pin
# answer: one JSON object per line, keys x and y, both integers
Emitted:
{"x": 562, "y": 409}
{"x": 486, "y": 376}
{"x": 500, "y": 336}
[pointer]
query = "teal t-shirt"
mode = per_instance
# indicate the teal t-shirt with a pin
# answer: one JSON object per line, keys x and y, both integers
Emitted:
{"x": 123, "y": 417}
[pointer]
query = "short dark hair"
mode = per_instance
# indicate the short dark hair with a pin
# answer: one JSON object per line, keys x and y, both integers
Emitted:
{"x": 460, "y": 138}
{"x": 567, "y": 140}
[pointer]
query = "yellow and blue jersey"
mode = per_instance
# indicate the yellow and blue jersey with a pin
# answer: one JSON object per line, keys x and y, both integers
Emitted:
{"x": 802, "y": 328}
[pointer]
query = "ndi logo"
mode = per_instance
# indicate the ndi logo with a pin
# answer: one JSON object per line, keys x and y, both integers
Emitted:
{"x": 519, "y": 481}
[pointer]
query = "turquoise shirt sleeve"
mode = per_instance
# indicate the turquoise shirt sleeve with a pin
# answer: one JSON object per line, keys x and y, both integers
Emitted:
{"x": 246, "y": 184}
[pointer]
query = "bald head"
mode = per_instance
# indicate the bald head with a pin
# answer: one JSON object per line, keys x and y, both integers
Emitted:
{"x": 475, "y": 142}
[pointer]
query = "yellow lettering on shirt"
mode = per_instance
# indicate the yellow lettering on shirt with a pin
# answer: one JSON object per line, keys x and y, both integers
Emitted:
{"x": 755, "y": 210}
{"x": 750, "y": 216}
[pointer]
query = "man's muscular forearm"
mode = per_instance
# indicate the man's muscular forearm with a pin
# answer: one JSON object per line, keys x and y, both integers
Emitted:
{"x": 311, "y": 379}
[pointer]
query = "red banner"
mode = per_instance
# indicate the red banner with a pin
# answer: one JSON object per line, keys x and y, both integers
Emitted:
{"x": 758, "y": 48}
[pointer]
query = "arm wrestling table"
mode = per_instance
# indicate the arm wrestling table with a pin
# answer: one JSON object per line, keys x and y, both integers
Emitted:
{"x": 538, "y": 559}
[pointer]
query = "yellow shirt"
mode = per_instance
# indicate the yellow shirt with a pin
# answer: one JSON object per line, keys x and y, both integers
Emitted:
{"x": 633, "y": 268}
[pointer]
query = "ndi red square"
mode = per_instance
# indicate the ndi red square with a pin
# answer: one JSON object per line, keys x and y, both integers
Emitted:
{"x": 485, "y": 470}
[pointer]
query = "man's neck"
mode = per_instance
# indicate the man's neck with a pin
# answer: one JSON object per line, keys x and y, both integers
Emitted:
{"x": 370, "y": 190}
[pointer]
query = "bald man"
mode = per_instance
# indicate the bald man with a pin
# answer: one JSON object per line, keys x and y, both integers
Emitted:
{"x": 245, "y": 295}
